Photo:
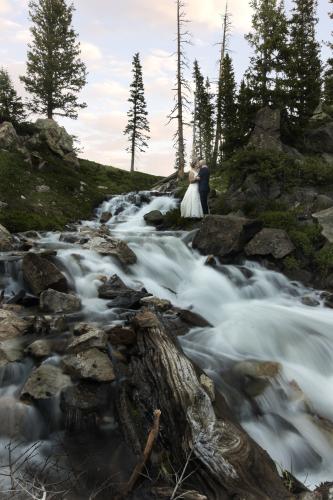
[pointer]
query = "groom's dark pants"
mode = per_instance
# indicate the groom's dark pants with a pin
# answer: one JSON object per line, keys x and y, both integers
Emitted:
{"x": 204, "y": 201}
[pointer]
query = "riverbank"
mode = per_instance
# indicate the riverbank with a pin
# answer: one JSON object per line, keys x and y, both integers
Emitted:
{"x": 58, "y": 193}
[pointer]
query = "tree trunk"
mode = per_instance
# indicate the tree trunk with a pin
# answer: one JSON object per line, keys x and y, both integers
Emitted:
{"x": 181, "y": 153}
{"x": 218, "y": 130}
{"x": 196, "y": 426}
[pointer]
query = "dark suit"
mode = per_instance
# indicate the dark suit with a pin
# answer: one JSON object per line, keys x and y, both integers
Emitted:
{"x": 204, "y": 188}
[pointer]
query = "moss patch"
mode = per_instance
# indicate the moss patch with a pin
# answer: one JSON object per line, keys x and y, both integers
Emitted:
{"x": 73, "y": 194}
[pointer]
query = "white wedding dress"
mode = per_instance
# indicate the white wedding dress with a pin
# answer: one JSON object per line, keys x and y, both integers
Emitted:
{"x": 191, "y": 207}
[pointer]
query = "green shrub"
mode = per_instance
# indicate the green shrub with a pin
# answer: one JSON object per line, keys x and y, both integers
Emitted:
{"x": 279, "y": 219}
{"x": 291, "y": 263}
{"x": 324, "y": 259}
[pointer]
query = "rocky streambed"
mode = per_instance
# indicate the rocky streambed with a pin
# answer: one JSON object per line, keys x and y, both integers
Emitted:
{"x": 111, "y": 320}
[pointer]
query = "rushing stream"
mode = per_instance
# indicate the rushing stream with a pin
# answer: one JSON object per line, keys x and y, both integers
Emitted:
{"x": 257, "y": 315}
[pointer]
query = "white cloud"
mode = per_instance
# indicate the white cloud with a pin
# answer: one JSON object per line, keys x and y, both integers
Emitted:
{"x": 4, "y": 6}
{"x": 90, "y": 52}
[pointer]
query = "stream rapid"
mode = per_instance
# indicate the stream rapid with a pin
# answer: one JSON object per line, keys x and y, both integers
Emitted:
{"x": 257, "y": 316}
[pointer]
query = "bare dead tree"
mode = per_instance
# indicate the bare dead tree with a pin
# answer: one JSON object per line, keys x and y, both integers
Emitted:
{"x": 226, "y": 26}
{"x": 182, "y": 87}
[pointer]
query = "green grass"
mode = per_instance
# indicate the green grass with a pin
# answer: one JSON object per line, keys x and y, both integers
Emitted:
{"x": 65, "y": 202}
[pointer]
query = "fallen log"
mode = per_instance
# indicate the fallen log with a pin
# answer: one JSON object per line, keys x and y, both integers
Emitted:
{"x": 225, "y": 462}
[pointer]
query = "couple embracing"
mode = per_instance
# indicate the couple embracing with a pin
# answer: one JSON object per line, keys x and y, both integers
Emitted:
{"x": 195, "y": 201}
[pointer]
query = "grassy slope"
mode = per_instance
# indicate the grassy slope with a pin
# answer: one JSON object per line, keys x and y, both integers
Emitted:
{"x": 65, "y": 202}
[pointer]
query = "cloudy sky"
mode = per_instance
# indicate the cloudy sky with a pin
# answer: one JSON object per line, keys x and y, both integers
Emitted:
{"x": 111, "y": 31}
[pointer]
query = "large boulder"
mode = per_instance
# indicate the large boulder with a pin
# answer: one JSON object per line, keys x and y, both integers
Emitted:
{"x": 46, "y": 381}
{"x": 112, "y": 247}
{"x": 41, "y": 274}
{"x": 92, "y": 364}
{"x": 325, "y": 219}
{"x": 10, "y": 351}
{"x": 56, "y": 137}
{"x": 154, "y": 218}
{"x": 59, "y": 303}
{"x": 320, "y": 139}
{"x": 270, "y": 242}
{"x": 266, "y": 133}
{"x": 120, "y": 295}
{"x": 6, "y": 240}
{"x": 11, "y": 325}
{"x": 8, "y": 137}
{"x": 225, "y": 235}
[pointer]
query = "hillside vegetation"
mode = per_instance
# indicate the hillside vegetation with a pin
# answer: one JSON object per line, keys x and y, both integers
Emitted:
{"x": 73, "y": 193}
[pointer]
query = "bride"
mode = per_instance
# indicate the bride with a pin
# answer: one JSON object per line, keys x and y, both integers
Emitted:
{"x": 191, "y": 207}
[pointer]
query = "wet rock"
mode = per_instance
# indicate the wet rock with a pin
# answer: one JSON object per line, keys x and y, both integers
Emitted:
{"x": 83, "y": 403}
{"x": 156, "y": 303}
{"x": 40, "y": 349}
{"x": 210, "y": 261}
{"x": 45, "y": 325}
{"x": 91, "y": 364}
{"x": 307, "y": 300}
{"x": 10, "y": 351}
{"x": 41, "y": 274}
{"x": 16, "y": 418}
{"x": 257, "y": 368}
{"x": 94, "y": 337}
{"x": 119, "y": 294}
{"x": 154, "y": 218}
{"x": 274, "y": 242}
{"x": 105, "y": 217}
{"x": 46, "y": 381}
{"x": 6, "y": 240}
{"x": 225, "y": 235}
{"x": 193, "y": 319}
{"x": 56, "y": 302}
{"x": 112, "y": 247}
{"x": 11, "y": 325}
{"x": 121, "y": 335}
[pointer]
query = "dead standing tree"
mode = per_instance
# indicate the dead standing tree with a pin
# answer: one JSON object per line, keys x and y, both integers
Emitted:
{"x": 182, "y": 87}
{"x": 218, "y": 130}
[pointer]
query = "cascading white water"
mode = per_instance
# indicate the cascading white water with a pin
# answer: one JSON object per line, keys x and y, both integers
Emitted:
{"x": 256, "y": 315}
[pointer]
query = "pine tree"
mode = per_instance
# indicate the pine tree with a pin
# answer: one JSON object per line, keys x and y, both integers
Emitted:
{"x": 137, "y": 128}
{"x": 182, "y": 86}
{"x": 268, "y": 40}
{"x": 198, "y": 124}
{"x": 328, "y": 88}
{"x": 11, "y": 106}
{"x": 245, "y": 113}
{"x": 228, "y": 117}
{"x": 218, "y": 128}
{"x": 304, "y": 68}
{"x": 55, "y": 72}
{"x": 208, "y": 123}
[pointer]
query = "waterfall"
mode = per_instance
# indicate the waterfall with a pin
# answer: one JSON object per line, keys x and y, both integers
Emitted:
{"x": 257, "y": 316}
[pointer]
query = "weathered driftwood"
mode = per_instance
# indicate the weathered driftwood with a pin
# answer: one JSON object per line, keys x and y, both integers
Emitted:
{"x": 225, "y": 461}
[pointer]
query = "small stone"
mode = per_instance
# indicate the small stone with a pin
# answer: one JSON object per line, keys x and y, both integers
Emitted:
{"x": 45, "y": 382}
{"x": 39, "y": 349}
{"x": 155, "y": 302}
{"x": 105, "y": 217}
{"x": 307, "y": 300}
{"x": 57, "y": 302}
{"x": 43, "y": 189}
{"x": 94, "y": 337}
{"x": 91, "y": 364}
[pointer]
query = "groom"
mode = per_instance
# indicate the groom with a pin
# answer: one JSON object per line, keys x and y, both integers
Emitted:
{"x": 204, "y": 188}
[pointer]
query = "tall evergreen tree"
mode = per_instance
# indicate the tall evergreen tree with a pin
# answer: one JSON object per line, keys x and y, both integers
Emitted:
{"x": 55, "y": 72}
{"x": 304, "y": 68}
{"x": 328, "y": 88}
{"x": 245, "y": 113}
{"x": 228, "y": 117}
{"x": 137, "y": 128}
{"x": 208, "y": 123}
{"x": 268, "y": 40}
{"x": 203, "y": 120}
{"x": 218, "y": 128}
{"x": 11, "y": 106}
